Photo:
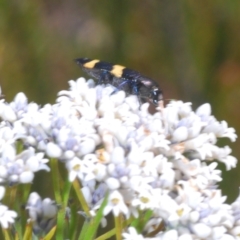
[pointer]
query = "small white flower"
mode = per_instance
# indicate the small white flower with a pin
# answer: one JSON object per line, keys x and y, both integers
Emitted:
{"x": 41, "y": 212}
{"x": 201, "y": 230}
{"x": 235, "y": 231}
{"x": 117, "y": 155}
{"x": 49, "y": 208}
{"x": 185, "y": 109}
{"x": 146, "y": 199}
{"x": 9, "y": 152}
{"x": 53, "y": 150}
{"x": 227, "y": 237}
{"x": 6, "y": 216}
{"x": 190, "y": 168}
{"x": 7, "y": 113}
{"x": 26, "y": 177}
{"x": 204, "y": 110}
{"x": 116, "y": 205}
{"x": 229, "y": 161}
{"x": 139, "y": 183}
{"x": 167, "y": 179}
{"x": 180, "y": 134}
{"x": 76, "y": 168}
{"x": 34, "y": 206}
{"x": 171, "y": 234}
{"x": 185, "y": 236}
{"x": 167, "y": 207}
{"x": 20, "y": 104}
{"x": 132, "y": 235}
{"x": 112, "y": 183}
{"x": 218, "y": 232}
{"x": 37, "y": 162}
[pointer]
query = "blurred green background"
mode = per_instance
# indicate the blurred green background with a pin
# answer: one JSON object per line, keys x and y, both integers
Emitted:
{"x": 192, "y": 48}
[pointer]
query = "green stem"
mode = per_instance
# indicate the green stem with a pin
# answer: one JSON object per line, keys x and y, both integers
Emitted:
{"x": 107, "y": 235}
{"x": 81, "y": 198}
{"x": 6, "y": 234}
{"x": 110, "y": 233}
{"x": 56, "y": 180}
{"x": 118, "y": 226}
{"x": 24, "y": 190}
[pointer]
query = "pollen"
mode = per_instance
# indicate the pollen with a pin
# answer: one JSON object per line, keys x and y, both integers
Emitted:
{"x": 144, "y": 199}
{"x": 77, "y": 167}
{"x": 102, "y": 155}
{"x": 115, "y": 201}
{"x": 180, "y": 212}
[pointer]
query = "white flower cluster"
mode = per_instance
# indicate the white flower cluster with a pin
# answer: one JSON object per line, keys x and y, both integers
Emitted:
{"x": 165, "y": 162}
{"x": 16, "y": 117}
{"x": 42, "y": 213}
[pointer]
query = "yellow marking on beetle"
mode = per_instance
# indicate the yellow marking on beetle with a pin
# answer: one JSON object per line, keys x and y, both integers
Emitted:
{"x": 117, "y": 70}
{"x": 91, "y": 64}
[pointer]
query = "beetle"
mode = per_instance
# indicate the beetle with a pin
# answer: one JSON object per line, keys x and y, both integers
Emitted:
{"x": 122, "y": 78}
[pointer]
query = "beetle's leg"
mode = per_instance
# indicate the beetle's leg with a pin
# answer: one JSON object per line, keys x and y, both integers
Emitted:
{"x": 135, "y": 87}
{"x": 119, "y": 86}
{"x": 105, "y": 77}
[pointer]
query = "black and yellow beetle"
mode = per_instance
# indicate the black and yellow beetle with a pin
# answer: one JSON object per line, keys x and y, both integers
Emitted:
{"x": 122, "y": 78}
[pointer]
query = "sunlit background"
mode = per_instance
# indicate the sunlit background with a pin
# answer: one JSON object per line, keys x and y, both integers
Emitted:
{"x": 191, "y": 48}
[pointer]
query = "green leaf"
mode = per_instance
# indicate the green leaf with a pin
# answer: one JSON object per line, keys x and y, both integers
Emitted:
{"x": 50, "y": 234}
{"x": 94, "y": 223}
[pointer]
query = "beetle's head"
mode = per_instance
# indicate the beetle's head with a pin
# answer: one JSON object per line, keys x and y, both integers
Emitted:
{"x": 156, "y": 95}
{"x": 82, "y": 61}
